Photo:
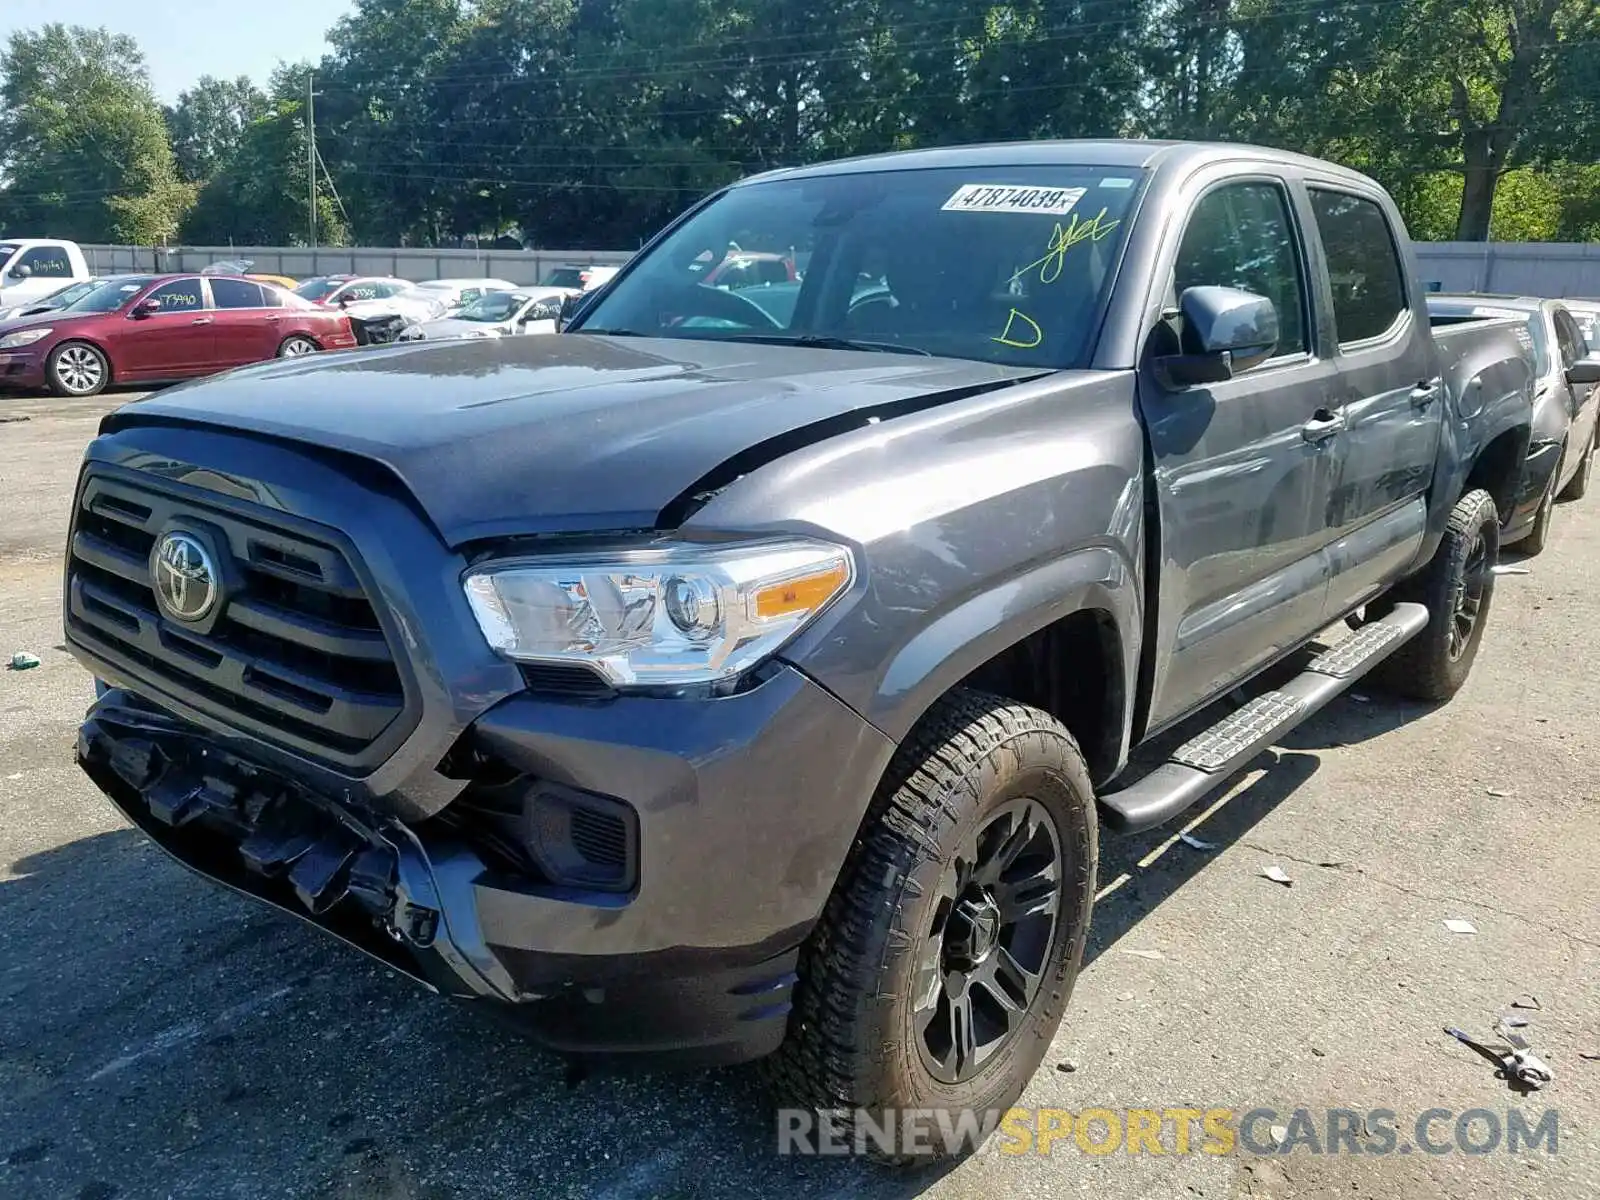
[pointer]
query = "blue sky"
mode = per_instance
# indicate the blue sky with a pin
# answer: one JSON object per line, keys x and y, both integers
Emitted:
{"x": 185, "y": 39}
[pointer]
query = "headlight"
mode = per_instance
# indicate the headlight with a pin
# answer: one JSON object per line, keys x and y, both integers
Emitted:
{"x": 23, "y": 337}
{"x": 667, "y": 615}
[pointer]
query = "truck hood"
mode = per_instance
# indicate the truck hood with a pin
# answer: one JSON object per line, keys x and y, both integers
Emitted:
{"x": 572, "y": 432}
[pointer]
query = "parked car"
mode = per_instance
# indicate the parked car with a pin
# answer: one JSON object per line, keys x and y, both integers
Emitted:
{"x": 1566, "y": 403}
{"x": 149, "y": 328}
{"x": 455, "y": 293}
{"x": 744, "y": 269}
{"x": 717, "y": 692}
{"x": 495, "y": 314}
{"x": 331, "y": 291}
{"x": 578, "y": 277}
{"x": 1587, "y": 314}
{"x": 32, "y": 268}
{"x": 60, "y": 298}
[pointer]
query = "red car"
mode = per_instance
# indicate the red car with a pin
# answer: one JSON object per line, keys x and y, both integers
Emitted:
{"x": 148, "y": 328}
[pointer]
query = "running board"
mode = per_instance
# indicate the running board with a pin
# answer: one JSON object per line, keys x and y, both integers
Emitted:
{"x": 1210, "y": 759}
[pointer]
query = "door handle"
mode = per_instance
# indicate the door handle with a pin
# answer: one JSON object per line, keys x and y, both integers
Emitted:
{"x": 1322, "y": 426}
{"x": 201, "y": 321}
{"x": 1426, "y": 392}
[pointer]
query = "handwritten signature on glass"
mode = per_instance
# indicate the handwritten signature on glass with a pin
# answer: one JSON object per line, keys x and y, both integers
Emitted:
{"x": 1049, "y": 267}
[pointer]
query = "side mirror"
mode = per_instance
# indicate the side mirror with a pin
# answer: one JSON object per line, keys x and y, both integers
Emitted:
{"x": 21, "y": 271}
{"x": 146, "y": 307}
{"x": 1585, "y": 372}
{"x": 1225, "y": 330}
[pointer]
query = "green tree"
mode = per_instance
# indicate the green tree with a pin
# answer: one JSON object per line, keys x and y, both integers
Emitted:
{"x": 83, "y": 148}
{"x": 208, "y": 123}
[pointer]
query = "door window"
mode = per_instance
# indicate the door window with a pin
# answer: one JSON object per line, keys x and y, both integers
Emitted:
{"x": 235, "y": 293}
{"x": 1369, "y": 291}
{"x": 46, "y": 262}
{"x": 180, "y": 295}
{"x": 1240, "y": 236}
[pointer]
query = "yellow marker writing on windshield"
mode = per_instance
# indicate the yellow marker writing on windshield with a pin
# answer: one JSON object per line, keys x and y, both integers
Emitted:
{"x": 1062, "y": 240}
{"x": 1005, "y": 338}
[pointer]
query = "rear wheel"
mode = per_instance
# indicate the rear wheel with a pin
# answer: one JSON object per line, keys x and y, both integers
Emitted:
{"x": 948, "y": 951}
{"x": 1578, "y": 486}
{"x": 1539, "y": 536}
{"x": 77, "y": 369}
{"x": 295, "y": 346}
{"x": 1456, "y": 588}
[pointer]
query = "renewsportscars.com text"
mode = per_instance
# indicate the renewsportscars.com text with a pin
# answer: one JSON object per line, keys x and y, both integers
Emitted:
{"x": 1169, "y": 1131}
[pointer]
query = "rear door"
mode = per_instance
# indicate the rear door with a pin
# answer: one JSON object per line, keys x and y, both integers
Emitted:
{"x": 1390, "y": 397}
{"x": 1243, "y": 469}
{"x": 246, "y": 325}
{"x": 177, "y": 339}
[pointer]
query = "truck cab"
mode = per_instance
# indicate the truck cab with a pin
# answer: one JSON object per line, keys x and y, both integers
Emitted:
{"x": 31, "y": 268}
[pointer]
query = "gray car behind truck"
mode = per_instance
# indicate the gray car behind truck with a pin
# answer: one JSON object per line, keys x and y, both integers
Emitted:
{"x": 711, "y": 685}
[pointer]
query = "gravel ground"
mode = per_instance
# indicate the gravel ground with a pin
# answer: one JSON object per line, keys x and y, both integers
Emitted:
{"x": 160, "y": 1038}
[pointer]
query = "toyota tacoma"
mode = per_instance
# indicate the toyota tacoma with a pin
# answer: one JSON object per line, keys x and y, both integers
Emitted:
{"x": 707, "y": 684}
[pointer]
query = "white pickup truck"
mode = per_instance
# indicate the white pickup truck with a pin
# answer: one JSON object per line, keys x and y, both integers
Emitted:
{"x": 32, "y": 268}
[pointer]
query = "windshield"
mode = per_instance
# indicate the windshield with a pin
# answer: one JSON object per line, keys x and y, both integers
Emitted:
{"x": 73, "y": 292}
{"x": 110, "y": 295}
{"x": 999, "y": 264}
{"x": 564, "y": 277}
{"x": 316, "y": 289}
{"x": 492, "y": 307}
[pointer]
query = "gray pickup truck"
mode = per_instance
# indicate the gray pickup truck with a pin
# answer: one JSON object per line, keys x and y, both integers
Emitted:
{"x": 705, "y": 683}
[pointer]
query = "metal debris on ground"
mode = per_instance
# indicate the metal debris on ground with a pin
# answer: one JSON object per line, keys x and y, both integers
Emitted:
{"x": 1277, "y": 875}
{"x": 1503, "y": 569}
{"x": 1496, "y": 792}
{"x": 1457, "y": 925}
{"x": 1066, "y": 1066}
{"x": 23, "y": 661}
{"x": 1591, "y": 1055}
{"x": 1194, "y": 843}
{"x": 1514, "y": 1022}
{"x": 1528, "y": 1000}
{"x": 1517, "y": 1065}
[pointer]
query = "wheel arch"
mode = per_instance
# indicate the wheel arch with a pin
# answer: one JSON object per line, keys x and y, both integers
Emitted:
{"x": 1062, "y": 637}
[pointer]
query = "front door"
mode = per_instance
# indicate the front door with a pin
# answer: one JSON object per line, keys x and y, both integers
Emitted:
{"x": 1390, "y": 396}
{"x": 177, "y": 339}
{"x": 1243, "y": 469}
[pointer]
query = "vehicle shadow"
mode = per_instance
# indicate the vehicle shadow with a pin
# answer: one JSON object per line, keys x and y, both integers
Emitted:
{"x": 242, "y": 1045}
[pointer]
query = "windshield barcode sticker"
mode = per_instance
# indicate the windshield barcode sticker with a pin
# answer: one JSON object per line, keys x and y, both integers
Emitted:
{"x": 1010, "y": 198}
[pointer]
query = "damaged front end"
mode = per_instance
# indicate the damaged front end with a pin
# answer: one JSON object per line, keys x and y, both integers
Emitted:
{"x": 364, "y": 878}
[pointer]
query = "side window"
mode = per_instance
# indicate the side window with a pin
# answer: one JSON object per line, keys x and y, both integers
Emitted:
{"x": 180, "y": 295}
{"x": 1571, "y": 341}
{"x": 46, "y": 262}
{"x": 235, "y": 293}
{"x": 1369, "y": 292}
{"x": 1240, "y": 236}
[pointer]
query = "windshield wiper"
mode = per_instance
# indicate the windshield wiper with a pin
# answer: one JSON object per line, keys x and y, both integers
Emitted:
{"x": 612, "y": 332}
{"x": 817, "y": 341}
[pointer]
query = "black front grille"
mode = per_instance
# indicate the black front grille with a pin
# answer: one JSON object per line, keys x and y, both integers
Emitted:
{"x": 296, "y": 656}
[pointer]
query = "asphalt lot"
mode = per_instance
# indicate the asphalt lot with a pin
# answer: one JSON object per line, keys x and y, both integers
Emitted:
{"x": 160, "y": 1038}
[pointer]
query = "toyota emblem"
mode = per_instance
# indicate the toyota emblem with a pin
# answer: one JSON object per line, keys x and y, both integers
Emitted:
{"x": 185, "y": 577}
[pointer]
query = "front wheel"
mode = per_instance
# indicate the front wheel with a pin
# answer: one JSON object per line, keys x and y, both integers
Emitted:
{"x": 77, "y": 369}
{"x": 295, "y": 346}
{"x": 1456, "y": 588}
{"x": 947, "y": 953}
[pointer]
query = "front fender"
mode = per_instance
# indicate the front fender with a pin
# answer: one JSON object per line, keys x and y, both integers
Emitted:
{"x": 956, "y": 643}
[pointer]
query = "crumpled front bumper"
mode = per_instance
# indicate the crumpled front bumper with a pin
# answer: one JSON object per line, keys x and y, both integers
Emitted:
{"x": 695, "y": 966}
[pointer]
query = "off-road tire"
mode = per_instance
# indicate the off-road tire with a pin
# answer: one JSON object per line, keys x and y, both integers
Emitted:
{"x": 1578, "y": 486}
{"x": 1425, "y": 668}
{"x": 851, "y": 1044}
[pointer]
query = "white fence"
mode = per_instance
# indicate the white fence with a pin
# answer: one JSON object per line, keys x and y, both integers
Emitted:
{"x": 1536, "y": 268}
{"x": 515, "y": 266}
{"x": 1568, "y": 269}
